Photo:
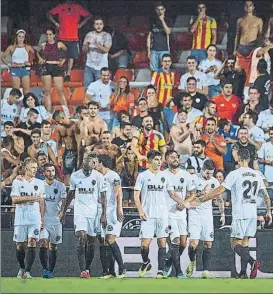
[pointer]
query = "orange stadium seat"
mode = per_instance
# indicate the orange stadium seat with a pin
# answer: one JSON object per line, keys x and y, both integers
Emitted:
{"x": 141, "y": 59}
{"x": 76, "y": 78}
{"x": 183, "y": 41}
{"x": 135, "y": 92}
{"x": 138, "y": 41}
{"x": 59, "y": 107}
{"x": 35, "y": 80}
{"x": 77, "y": 96}
{"x": 55, "y": 99}
{"x": 6, "y": 79}
{"x": 124, "y": 72}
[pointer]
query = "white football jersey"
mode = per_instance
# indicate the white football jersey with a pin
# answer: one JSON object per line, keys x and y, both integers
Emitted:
{"x": 181, "y": 183}
{"x": 88, "y": 190}
{"x": 28, "y": 213}
{"x": 112, "y": 180}
{"x": 207, "y": 186}
{"x": 153, "y": 188}
{"x": 9, "y": 112}
{"x": 54, "y": 194}
{"x": 244, "y": 184}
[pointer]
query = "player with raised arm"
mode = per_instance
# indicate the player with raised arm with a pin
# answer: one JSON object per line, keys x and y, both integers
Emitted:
{"x": 152, "y": 186}
{"x": 200, "y": 220}
{"x": 182, "y": 183}
{"x": 245, "y": 184}
{"x": 28, "y": 195}
{"x": 88, "y": 187}
{"x": 114, "y": 214}
{"x": 51, "y": 235}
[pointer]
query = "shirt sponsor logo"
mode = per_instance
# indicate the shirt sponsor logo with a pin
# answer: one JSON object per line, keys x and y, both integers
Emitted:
{"x": 86, "y": 190}
{"x": 155, "y": 188}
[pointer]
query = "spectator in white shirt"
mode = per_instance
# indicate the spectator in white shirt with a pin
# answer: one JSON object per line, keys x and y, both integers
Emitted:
{"x": 186, "y": 102}
{"x": 101, "y": 91}
{"x": 265, "y": 155}
{"x": 210, "y": 66}
{"x": 265, "y": 120}
{"x": 256, "y": 134}
{"x": 10, "y": 108}
{"x": 201, "y": 78}
{"x": 97, "y": 45}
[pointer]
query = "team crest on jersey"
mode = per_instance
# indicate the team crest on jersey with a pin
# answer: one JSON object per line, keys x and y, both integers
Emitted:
{"x": 211, "y": 235}
{"x": 181, "y": 180}
{"x": 109, "y": 228}
{"x": 35, "y": 188}
{"x": 168, "y": 229}
{"x": 14, "y": 110}
{"x": 116, "y": 182}
{"x": 58, "y": 238}
{"x": 212, "y": 186}
{"x": 56, "y": 191}
{"x": 162, "y": 180}
{"x": 93, "y": 182}
{"x": 36, "y": 232}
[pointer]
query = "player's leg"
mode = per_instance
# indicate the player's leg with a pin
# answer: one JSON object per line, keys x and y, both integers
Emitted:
{"x": 183, "y": 243}
{"x": 81, "y": 241}
{"x": 161, "y": 232}
{"x": 43, "y": 254}
{"x": 192, "y": 249}
{"x": 111, "y": 241}
{"x": 242, "y": 274}
{"x": 206, "y": 257}
{"x": 103, "y": 255}
{"x": 20, "y": 236}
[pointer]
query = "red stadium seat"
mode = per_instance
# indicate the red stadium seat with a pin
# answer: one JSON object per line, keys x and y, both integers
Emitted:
{"x": 118, "y": 22}
{"x": 76, "y": 78}
{"x": 183, "y": 41}
{"x": 140, "y": 23}
{"x": 135, "y": 92}
{"x": 6, "y": 79}
{"x": 141, "y": 60}
{"x": 77, "y": 96}
{"x": 124, "y": 72}
{"x": 138, "y": 42}
{"x": 55, "y": 99}
{"x": 35, "y": 80}
{"x": 59, "y": 107}
{"x": 4, "y": 42}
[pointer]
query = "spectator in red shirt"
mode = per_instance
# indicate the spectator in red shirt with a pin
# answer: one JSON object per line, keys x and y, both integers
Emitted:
{"x": 69, "y": 15}
{"x": 227, "y": 103}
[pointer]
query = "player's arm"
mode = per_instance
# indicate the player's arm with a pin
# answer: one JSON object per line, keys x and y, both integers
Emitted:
{"x": 221, "y": 205}
{"x": 214, "y": 194}
{"x": 70, "y": 197}
{"x": 141, "y": 213}
{"x": 24, "y": 199}
{"x": 104, "y": 205}
{"x": 177, "y": 199}
{"x": 267, "y": 200}
{"x": 42, "y": 211}
{"x": 119, "y": 195}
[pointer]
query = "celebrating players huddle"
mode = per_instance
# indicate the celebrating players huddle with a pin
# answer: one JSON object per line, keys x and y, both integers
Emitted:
{"x": 171, "y": 204}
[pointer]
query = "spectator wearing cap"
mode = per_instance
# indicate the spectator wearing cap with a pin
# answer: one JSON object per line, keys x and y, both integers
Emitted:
{"x": 69, "y": 16}
{"x": 158, "y": 40}
{"x": 229, "y": 132}
{"x": 201, "y": 78}
{"x": 96, "y": 44}
{"x": 21, "y": 55}
{"x": 10, "y": 108}
{"x": 163, "y": 80}
{"x": 227, "y": 104}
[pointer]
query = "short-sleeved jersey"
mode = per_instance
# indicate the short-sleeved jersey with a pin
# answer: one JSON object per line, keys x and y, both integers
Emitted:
{"x": 69, "y": 17}
{"x": 148, "y": 142}
{"x": 202, "y": 35}
{"x": 201, "y": 185}
{"x": 153, "y": 188}
{"x": 28, "y": 213}
{"x": 244, "y": 184}
{"x": 54, "y": 194}
{"x": 9, "y": 112}
{"x": 112, "y": 180}
{"x": 87, "y": 192}
{"x": 164, "y": 83}
{"x": 181, "y": 183}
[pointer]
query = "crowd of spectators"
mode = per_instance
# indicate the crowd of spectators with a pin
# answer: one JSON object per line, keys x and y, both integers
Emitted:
{"x": 219, "y": 105}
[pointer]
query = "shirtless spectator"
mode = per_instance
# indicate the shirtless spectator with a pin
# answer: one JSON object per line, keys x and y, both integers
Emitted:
{"x": 256, "y": 134}
{"x": 81, "y": 112}
{"x": 198, "y": 156}
{"x": 46, "y": 136}
{"x": 123, "y": 141}
{"x": 215, "y": 144}
{"x": 92, "y": 126}
{"x": 201, "y": 78}
{"x": 248, "y": 34}
{"x": 106, "y": 147}
{"x": 227, "y": 104}
{"x": 18, "y": 141}
{"x": 10, "y": 108}
{"x": 9, "y": 157}
{"x": 122, "y": 116}
{"x": 23, "y": 129}
{"x": 101, "y": 91}
{"x": 186, "y": 102}
{"x": 69, "y": 16}
{"x": 66, "y": 130}
{"x": 182, "y": 135}
{"x": 96, "y": 45}
{"x": 231, "y": 70}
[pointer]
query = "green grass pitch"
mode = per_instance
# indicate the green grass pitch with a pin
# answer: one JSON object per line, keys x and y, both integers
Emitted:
{"x": 135, "y": 285}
